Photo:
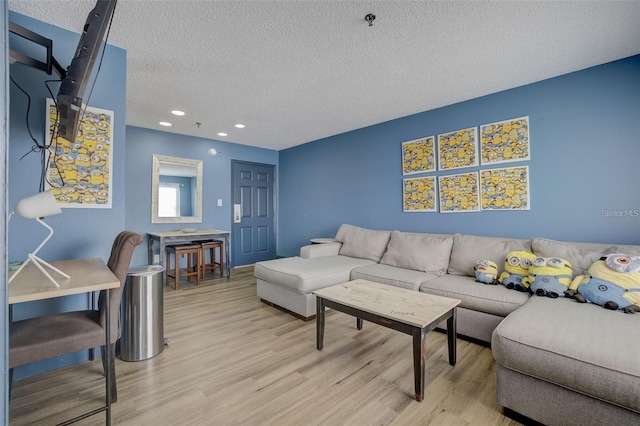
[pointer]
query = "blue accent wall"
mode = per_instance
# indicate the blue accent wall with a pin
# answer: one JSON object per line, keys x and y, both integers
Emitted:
{"x": 78, "y": 232}
{"x": 584, "y": 167}
{"x": 216, "y": 175}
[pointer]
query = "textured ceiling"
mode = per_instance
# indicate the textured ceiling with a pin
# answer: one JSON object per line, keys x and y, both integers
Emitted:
{"x": 296, "y": 71}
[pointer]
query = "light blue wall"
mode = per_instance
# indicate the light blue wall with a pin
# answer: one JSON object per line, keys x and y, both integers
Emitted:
{"x": 216, "y": 173}
{"x": 585, "y": 157}
{"x": 78, "y": 232}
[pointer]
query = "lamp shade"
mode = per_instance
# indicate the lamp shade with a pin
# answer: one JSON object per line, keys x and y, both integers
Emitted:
{"x": 40, "y": 205}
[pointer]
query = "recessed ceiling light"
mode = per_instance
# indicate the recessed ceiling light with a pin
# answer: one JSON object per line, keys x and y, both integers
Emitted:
{"x": 165, "y": 124}
{"x": 177, "y": 112}
{"x": 240, "y": 126}
{"x": 222, "y": 134}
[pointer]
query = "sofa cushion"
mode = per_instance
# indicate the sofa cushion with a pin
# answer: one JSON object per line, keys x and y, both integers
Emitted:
{"x": 362, "y": 243}
{"x": 581, "y": 255}
{"x": 468, "y": 249}
{"x": 306, "y": 275}
{"x": 391, "y": 275}
{"x": 581, "y": 347}
{"x": 420, "y": 252}
{"x": 491, "y": 299}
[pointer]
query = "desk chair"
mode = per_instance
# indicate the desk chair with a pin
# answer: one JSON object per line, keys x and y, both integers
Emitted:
{"x": 49, "y": 336}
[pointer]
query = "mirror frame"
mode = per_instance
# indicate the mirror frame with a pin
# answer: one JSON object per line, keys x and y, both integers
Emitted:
{"x": 155, "y": 178}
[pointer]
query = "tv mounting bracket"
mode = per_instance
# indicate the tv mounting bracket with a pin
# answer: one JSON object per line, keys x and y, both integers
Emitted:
{"x": 49, "y": 66}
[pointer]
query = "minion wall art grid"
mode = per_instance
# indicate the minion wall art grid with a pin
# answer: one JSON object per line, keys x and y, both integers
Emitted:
{"x": 419, "y": 156}
{"x": 459, "y": 193}
{"x": 458, "y": 149}
{"x": 505, "y": 189}
{"x": 79, "y": 174}
{"x": 505, "y": 141}
{"x": 419, "y": 194}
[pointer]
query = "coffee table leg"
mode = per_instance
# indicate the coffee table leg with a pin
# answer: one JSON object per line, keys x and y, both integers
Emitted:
{"x": 451, "y": 336}
{"x": 419, "y": 360}
{"x": 359, "y": 323}
{"x": 319, "y": 322}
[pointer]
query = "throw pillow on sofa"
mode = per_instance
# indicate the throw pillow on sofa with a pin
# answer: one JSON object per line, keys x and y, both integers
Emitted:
{"x": 362, "y": 243}
{"x": 467, "y": 249}
{"x": 419, "y": 252}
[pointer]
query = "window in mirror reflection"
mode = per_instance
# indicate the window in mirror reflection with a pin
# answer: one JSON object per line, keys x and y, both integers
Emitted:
{"x": 179, "y": 192}
{"x": 168, "y": 200}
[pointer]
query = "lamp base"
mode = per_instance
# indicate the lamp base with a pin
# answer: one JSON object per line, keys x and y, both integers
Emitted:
{"x": 40, "y": 264}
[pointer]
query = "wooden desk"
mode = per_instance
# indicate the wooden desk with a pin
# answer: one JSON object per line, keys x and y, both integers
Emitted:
{"x": 175, "y": 237}
{"x": 86, "y": 276}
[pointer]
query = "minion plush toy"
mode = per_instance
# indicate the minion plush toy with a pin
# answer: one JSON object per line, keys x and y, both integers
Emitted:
{"x": 516, "y": 269}
{"x": 486, "y": 272}
{"x": 612, "y": 282}
{"x": 549, "y": 277}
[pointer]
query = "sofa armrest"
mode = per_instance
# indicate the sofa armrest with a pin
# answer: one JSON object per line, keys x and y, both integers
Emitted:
{"x": 320, "y": 250}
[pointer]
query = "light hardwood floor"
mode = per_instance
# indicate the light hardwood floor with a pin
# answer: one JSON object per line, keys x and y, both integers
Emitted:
{"x": 233, "y": 360}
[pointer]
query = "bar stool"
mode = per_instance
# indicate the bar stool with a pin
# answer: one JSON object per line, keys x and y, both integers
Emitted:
{"x": 192, "y": 252}
{"x": 211, "y": 247}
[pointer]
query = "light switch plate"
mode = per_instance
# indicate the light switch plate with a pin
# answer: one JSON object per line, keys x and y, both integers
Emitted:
{"x": 219, "y": 202}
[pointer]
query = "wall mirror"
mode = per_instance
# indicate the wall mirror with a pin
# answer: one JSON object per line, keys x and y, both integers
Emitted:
{"x": 176, "y": 195}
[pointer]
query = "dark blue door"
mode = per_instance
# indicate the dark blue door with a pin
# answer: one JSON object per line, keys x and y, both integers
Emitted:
{"x": 253, "y": 229}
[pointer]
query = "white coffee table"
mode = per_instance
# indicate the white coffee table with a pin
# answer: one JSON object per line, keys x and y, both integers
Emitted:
{"x": 408, "y": 311}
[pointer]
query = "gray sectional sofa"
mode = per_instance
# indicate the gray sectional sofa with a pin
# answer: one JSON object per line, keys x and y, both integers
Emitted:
{"x": 558, "y": 361}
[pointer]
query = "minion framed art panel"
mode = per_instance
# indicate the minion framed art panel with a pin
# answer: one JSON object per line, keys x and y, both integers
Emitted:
{"x": 419, "y": 156}
{"x": 79, "y": 174}
{"x": 505, "y": 141}
{"x": 458, "y": 149}
{"x": 419, "y": 194}
{"x": 459, "y": 193}
{"x": 505, "y": 189}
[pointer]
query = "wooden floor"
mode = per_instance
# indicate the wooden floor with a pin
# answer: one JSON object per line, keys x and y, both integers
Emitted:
{"x": 233, "y": 360}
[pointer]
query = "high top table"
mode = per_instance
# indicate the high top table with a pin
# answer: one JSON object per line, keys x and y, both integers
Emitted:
{"x": 174, "y": 237}
{"x": 85, "y": 276}
{"x": 409, "y": 311}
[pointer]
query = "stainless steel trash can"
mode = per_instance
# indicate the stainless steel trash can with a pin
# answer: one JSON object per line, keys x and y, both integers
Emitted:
{"x": 143, "y": 314}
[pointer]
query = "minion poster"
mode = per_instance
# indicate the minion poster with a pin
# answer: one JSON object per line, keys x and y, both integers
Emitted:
{"x": 458, "y": 149}
{"x": 459, "y": 193}
{"x": 419, "y": 194}
{"x": 505, "y": 141}
{"x": 79, "y": 173}
{"x": 505, "y": 189}
{"x": 418, "y": 156}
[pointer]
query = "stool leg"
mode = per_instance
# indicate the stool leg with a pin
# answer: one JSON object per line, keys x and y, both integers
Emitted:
{"x": 176, "y": 276}
{"x": 168, "y": 271}
{"x": 188, "y": 267}
{"x": 197, "y": 256}
{"x": 203, "y": 261}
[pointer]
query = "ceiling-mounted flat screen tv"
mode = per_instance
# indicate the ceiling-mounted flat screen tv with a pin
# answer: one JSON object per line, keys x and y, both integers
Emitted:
{"x": 72, "y": 89}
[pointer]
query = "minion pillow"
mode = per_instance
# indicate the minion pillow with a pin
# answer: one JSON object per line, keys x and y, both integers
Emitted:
{"x": 516, "y": 269}
{"x": 612, "y": 282}
{"x": 486, "y": 272}
{"x": 549, "y": 276}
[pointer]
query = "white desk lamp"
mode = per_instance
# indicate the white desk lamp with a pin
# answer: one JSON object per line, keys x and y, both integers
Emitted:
{"x": 37, "y": 207}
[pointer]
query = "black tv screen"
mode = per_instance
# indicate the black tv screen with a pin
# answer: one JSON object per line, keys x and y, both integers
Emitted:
{"x": 72, "y": 89}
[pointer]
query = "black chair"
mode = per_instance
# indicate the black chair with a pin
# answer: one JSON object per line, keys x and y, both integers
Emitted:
{"x": 49, "y": 336}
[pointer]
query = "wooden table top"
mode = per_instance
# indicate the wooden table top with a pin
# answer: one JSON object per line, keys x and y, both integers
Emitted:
{"x": 195, "y": 233}
{"x": 86, "y": 275}
{"x": 407, "y": 306}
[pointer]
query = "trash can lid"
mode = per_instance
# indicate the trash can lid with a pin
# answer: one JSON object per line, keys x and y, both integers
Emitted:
{"x": 145, "y": 270}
